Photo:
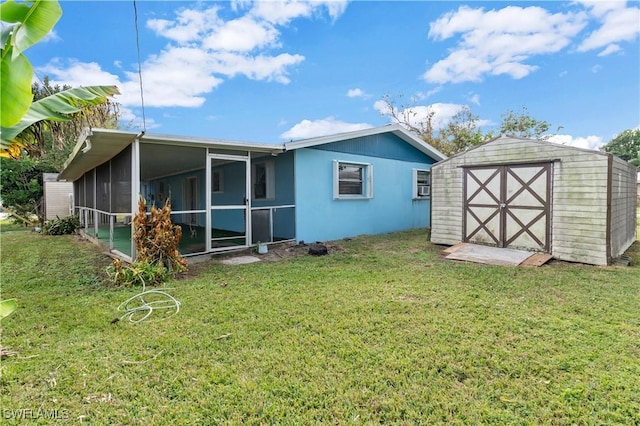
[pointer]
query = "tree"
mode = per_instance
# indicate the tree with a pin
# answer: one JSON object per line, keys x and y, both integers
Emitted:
{"x": 461, "y": 132}
{"x": 626, "y": 145}
{"x": 21, "y": 185}
{"x": 521, "y": 124}
{"x": 53, "y": 141}
{"x": 23, "y": 25}
{"x": 414, "y": 118}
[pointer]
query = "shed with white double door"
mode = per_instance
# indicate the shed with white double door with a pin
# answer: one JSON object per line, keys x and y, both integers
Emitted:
{"x": 575, "y": 204}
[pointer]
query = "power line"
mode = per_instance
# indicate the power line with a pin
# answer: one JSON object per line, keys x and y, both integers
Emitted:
{"x": 144, "y": 120}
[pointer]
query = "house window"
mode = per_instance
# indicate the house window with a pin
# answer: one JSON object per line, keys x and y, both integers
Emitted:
{"x": 421, "y": 184}
{"x": 263, "y": 180}
{"x": 352, "y": 180}
{"x": 217, "y": 181}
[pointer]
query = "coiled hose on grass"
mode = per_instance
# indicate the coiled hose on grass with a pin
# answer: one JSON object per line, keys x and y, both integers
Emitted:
{"x": 137, "y": 309}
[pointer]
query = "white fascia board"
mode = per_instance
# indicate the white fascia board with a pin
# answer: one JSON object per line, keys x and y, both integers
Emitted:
{"x": 396, "y": 129}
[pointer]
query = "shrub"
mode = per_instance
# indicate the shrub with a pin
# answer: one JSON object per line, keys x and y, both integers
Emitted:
{"x": 64, "y": 226}
{"x": 139, "y": 273}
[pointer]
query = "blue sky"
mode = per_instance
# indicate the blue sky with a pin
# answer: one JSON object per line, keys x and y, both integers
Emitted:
{"x": 271, "y": 71}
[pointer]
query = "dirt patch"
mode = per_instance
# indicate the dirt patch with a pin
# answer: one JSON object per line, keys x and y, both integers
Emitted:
{"x": 290, "y": 250}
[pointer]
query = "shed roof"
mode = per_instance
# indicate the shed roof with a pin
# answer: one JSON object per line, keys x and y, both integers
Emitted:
{"x": 541, "y": 143}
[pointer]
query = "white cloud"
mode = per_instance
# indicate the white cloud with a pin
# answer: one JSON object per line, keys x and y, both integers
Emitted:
{"x": 327, "y": 126}
{"x": 133, "y": 122}
{"x": 203, "y": 51}
{"x": 357, "y": 93}
{"x": 499, "y": 41}
{"x": 76, "y": 73}
{"x": 589, "y": 142}
{"x": 242, "y": 35}
{"x": 416, "y": 115}
{"x": 52, "y": 36}
{"x": 190, "y": 25}
{"x": 618, "y": 23}
{"x": 612, "y": 48}
{"x": 596, "y": 68}
{"x": 474, "y": 98}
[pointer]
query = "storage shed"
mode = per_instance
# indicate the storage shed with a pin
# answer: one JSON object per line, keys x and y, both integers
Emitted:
{"x": 58, "y": 196}
{"x": 577, "y": 205}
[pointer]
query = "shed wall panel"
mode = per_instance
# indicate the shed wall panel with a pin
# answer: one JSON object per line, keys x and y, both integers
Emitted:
{"x": 623, "y": 206}
{"x": 56, "y": 195}
{"x": 579, "y": 194}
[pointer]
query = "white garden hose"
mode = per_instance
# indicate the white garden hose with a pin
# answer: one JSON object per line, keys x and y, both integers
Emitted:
{"x": 138, "y": 309}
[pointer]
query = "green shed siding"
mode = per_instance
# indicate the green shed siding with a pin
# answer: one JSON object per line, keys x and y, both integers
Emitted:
{"x": 584, "y": 227}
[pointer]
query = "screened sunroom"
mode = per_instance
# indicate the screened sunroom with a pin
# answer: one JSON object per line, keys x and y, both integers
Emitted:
{"x": 224, "y": 195}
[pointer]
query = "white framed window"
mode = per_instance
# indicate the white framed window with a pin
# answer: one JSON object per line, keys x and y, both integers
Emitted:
{"x": 352, "y": 180}
{"x": 421, "y": 184}
{"x": 263, "y": 180}
{"x": 217, "y": 181}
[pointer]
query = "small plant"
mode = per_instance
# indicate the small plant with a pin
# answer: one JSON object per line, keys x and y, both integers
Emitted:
{"x": 157, "y": 238}
{"x": 62, "y": 226}
{"x": 140, "y": 273}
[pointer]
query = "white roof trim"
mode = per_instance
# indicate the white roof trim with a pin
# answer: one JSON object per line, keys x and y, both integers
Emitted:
{"x": 95, "y": 146}
{"x": 396, "y": 129}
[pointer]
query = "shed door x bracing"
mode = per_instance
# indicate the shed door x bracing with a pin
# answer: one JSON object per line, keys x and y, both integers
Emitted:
{"x": 508, "y": 206}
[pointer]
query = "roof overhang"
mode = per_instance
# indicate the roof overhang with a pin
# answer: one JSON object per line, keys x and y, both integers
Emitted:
{"x": 93, "y": 148}
{"x": 96, "y": 146}
{"x": 396, "y": 129}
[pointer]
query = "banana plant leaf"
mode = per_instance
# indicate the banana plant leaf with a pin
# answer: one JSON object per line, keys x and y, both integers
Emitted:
{"x": 35, "y": 21}
{"x": 7, "y": 307}
{"x": 57, "y": 107}
{"x": 24, "y": 24}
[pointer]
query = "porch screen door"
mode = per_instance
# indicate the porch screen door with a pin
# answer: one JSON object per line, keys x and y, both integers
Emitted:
{"x": 229, "y": 204}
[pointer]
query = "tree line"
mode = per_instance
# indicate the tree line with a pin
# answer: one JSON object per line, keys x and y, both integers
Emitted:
{"x": 463, "y": 131}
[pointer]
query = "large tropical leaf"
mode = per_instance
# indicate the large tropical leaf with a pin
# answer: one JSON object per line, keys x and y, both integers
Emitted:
{"x": 7, "y": 307}
{"x": 30, "y": 23}
{"x": 37, "y": 20}
{"x": 15, "y": 87}
{"x": 57, "y": 107}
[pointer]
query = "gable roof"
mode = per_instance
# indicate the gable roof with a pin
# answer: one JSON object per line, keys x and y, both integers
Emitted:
{"x": 542, "y": 143}
{"x": 96, "y": 146}
{"x": 396, "y": 129}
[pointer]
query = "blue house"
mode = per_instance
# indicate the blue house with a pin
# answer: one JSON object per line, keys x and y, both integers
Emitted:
{"x": 230, "y": 195}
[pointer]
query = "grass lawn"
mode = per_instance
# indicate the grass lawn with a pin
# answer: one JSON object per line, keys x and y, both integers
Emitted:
{"x": 383, "y": 331}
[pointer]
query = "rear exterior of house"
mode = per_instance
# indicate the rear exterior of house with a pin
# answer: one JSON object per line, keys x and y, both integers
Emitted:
{"x": 371, "y": 184}
{"x": 229, "y": 195}
{"x": 578, "y": 205}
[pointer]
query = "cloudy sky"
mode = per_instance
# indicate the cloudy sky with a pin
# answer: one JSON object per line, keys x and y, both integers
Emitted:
{"x": 270, "y": 71}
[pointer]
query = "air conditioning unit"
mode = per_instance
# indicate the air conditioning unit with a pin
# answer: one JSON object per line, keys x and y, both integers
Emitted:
{"x": 423, "y": 190}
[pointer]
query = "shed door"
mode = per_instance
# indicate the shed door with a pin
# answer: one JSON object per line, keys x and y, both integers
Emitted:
{"x": 508, "y": 206}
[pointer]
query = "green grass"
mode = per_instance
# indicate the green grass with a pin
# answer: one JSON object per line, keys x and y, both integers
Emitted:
{"x": 384, "y": 331}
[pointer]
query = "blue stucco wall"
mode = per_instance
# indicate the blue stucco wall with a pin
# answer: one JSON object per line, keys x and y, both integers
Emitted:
{"x": 321, "y": 218}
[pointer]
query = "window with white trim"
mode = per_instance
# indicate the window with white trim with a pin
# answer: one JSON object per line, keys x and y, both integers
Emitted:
{"x": 421, "y": 184}
{"x": 352, "y": 180}
{"x": 263, "y": 180}
{"x": 217, "y": 181}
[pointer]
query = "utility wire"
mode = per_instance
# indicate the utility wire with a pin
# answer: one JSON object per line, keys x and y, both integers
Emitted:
{"x": 135, "y": 12}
